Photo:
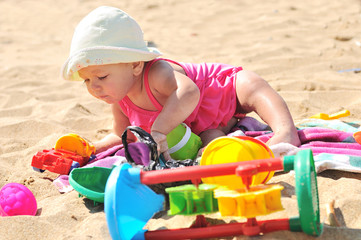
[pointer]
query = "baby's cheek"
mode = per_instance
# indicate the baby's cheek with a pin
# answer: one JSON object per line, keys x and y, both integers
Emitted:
{"x": 91, "y": 92}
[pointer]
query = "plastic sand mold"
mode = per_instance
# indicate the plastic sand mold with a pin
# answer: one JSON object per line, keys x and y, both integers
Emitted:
{"x": 90, "y": 182}
{"x": 256, "y": 201}
{"x": 59, "y": 161}
{"x": 16, "y": 199}
{"x": 189, "y": 199}
{"x": 74, "y": 143}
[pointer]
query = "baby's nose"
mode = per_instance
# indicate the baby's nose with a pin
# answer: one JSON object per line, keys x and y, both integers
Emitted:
{"x": 95, "y": 86}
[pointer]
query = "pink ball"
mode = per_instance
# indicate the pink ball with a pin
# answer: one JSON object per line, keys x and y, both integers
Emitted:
{"x": 16, "y": 199}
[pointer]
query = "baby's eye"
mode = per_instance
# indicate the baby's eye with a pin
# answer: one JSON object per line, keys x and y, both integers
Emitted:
{"x": 104, "y": 77}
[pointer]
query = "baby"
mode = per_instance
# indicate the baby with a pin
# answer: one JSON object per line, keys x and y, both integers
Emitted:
{"x": 109, "y": 54}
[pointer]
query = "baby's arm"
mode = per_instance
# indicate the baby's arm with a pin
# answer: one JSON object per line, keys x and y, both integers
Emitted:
{"x": 255, "y": 94}
{"x": 119, "y": 125}
{"x": 179, "y": 96}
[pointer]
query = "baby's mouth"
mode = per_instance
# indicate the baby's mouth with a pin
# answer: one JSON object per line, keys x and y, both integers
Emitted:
{"x": 103, "y": 96}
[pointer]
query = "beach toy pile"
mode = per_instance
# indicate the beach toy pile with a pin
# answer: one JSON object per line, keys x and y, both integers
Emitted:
{"x": 16, "y": 199}
{"x": 90, "y": 182}
{"x": 231, "y": 181}
{"x": 70, "y": 151}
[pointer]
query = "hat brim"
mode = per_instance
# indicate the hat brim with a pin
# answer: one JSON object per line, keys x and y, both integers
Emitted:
{"x": 104, "y": 55}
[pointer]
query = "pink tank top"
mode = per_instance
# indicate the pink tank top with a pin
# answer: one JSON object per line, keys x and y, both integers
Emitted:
{"x": 217, "y": 104}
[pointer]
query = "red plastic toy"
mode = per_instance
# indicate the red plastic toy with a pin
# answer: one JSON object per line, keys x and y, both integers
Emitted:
{"x": 59, "y": 161}
{"x": 70, "y": 151}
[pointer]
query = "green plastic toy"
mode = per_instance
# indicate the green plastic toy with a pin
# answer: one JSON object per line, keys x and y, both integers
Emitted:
{"x": 188, "y": 199}
{"x": 90, "y": 182}
{"x": 183, "y": 143}
{"x": 307, "y": 194}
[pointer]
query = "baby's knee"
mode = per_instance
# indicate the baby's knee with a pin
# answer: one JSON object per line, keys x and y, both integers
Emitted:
{"x": 210, "y": 134}
{"x": 230, "y": 124}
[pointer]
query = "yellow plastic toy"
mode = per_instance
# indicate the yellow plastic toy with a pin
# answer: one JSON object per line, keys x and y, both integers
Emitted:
{"x": 337, "y": 115}
{"x": 74, "y": 143}
{"x": 235, "y": 149}
{"x": 256, "y": 201}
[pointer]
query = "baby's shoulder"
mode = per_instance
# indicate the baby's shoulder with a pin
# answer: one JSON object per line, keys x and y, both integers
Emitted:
{"x": 160, "y": 70}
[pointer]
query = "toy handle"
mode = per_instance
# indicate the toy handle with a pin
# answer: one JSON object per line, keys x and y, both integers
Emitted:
{"x": 198, "y": 172}
{"x": 220, "y": 230}
{"x": 142, "y": 136}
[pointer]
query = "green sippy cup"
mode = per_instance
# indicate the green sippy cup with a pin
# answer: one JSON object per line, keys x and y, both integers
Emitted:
{"x": 182, "y": 143}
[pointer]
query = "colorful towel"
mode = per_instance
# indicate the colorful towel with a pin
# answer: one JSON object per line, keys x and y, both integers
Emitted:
{"x": 340, "y": 162}
{"x": 307, "y": 135}
{"x": 335, "y": 124}
{"x": 331, "y": 142}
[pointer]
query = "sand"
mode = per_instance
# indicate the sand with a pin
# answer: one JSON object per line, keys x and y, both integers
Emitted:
{"x": 298, "y": 47}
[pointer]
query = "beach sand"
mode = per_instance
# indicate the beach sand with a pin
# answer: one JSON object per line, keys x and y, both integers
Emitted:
{"x": 298, "y": 47}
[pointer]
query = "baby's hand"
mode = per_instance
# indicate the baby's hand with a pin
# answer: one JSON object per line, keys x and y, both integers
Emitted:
{"x": 200, "y": 152}
{"x": 162, "y": 145}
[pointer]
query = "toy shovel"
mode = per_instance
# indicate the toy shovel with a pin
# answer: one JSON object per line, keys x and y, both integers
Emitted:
{"x": 128, "y": 203}
{"x": 337, "y": 115}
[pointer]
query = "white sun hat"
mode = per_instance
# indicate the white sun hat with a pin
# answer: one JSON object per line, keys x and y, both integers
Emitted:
{"x": 107, "y": 35}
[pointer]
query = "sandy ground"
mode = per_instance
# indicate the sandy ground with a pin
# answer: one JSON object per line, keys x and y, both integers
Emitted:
{"x": 299, "y": 47}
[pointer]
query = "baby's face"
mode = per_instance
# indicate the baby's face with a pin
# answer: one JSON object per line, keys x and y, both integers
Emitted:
{"x": 110, "y": 83}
